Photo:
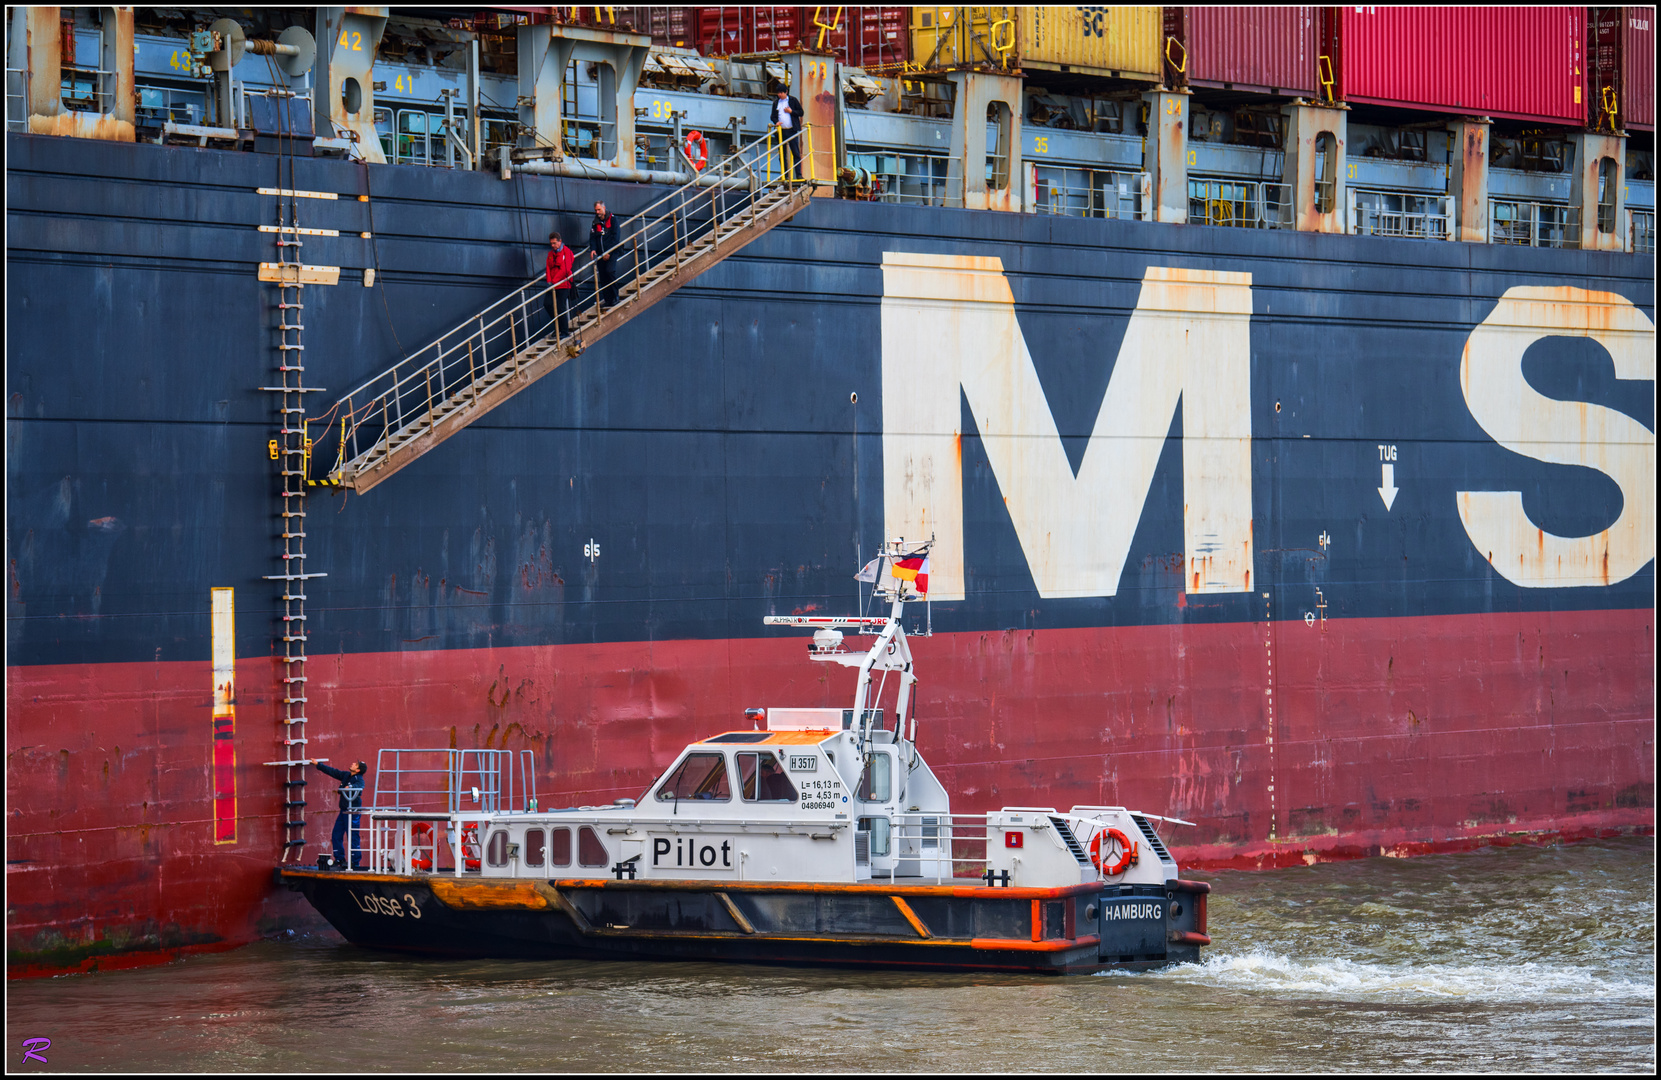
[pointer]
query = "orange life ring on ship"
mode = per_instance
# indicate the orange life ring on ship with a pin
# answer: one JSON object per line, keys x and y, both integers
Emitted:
{"x": 470, "y": 846}
{"x": 697, "y": 151}
{"x": 421, "y": 836}
{"x": 1126, "y": 859}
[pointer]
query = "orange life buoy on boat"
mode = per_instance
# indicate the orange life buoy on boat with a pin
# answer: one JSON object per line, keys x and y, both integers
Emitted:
{"x": 470, "y": 846}
{"x": 697, "y": 151}
{"x": 1127, "y": 851}
{"x": 420, "y": 836}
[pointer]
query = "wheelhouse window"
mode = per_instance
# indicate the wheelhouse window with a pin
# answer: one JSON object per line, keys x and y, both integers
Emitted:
{"x": 590, "y": 852}
{"x": 560, "y": 853}
{"x": 536, "y": 843}
{"x": 496, "y": 848}
{"x": 700, "y": 776}
{"x": 876, "y": 782}
{"x": 761, "y": 779}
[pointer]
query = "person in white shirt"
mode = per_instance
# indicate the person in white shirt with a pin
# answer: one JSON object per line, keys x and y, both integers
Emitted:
{"x": 787, "y": 117}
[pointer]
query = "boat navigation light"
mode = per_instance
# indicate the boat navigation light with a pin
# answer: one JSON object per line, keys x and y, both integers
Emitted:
{"x": 827, "y": 640}
{"x": 475, "y": 794}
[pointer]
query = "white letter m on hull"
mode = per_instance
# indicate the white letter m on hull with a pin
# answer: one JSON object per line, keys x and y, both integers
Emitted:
{"x": 949, "y": 329}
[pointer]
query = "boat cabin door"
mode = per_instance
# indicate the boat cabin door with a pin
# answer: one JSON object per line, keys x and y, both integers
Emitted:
{"x": 876, "y": 851}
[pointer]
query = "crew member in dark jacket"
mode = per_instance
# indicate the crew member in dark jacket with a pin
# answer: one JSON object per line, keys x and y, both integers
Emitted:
{"x": 787, "y": 117}
{"x": 602, "y": 246}
{"x": 351, "y": 802}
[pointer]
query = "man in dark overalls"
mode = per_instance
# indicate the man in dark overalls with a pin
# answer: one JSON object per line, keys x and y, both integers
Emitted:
{"x": 602, "y": 246}
{"x": 351, "y": 802}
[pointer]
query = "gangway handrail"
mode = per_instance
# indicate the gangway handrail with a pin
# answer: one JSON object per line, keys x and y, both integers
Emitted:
{"x": 699, "y": 181}
{"x": 405, "y": 398}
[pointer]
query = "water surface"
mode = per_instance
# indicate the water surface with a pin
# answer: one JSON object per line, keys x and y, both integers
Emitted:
{"x": 1504, "y": 959}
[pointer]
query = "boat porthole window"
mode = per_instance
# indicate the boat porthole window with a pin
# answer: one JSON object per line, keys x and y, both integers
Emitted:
{"x": 535, "y": 845}
{"x": 762, "y": 779}
{"x": 561, "y": 853}
{"x": 699, "y": 777}
{"x": 590, "y": 852}
{"x": 496, "y": 848}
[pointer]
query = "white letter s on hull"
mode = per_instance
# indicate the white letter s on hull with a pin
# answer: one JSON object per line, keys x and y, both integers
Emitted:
{"x": 1521, "y": 419}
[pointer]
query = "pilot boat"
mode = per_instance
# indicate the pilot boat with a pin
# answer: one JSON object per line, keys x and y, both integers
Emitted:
{"x": 812, "y": 836}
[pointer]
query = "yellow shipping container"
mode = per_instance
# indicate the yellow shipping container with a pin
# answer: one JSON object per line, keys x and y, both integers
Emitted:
{"x": 953, "y": 37}
{"x": 1115, "y": 41}
{"x": 1119, "y": 41}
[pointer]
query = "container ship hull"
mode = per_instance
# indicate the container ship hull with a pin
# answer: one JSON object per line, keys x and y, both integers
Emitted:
{"x": 1265, "y": 529}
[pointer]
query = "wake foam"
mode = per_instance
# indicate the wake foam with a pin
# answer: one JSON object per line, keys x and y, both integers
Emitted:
{"x": 1530, "y": 981}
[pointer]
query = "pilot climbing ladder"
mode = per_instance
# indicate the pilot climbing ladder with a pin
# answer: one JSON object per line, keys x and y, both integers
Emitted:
{"x": 416, "y": 404}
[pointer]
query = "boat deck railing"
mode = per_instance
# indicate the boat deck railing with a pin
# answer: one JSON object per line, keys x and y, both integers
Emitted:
{"x": 915, "y": 848}
{"x": 452, "y": 781}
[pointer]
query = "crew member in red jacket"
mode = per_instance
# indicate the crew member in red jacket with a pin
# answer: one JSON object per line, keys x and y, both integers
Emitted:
{"x": 558, "y": 271}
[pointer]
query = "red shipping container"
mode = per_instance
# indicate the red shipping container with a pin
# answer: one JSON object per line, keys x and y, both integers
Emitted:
{"x": 672, "y": 26}
{"x": 1264, "y": 49}
{"x": 730, "y": 31}
{"x": 1525, "y": 63}
{"x": 1638, "y": 64}
{"x": 864, "y": 37}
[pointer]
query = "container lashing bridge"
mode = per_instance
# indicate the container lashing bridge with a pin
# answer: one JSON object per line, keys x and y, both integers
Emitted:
{"x": 407, "y": 410}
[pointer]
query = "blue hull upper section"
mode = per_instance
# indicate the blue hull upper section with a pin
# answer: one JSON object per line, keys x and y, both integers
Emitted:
{"x": 708, "y": 449}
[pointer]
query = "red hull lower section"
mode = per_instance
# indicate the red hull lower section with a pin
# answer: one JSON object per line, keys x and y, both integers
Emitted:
{"x": 1286, "y": 743}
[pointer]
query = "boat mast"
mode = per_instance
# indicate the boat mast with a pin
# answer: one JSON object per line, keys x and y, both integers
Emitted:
{"x": 889, "y": 652}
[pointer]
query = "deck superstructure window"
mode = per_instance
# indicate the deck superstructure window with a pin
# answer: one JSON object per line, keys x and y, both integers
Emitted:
{"x": 700, "y": 776}
{"x": 496, "y": 848}
{"x": 590, "y": 852}
{"x": 878, "y": 831}
{"x": 876, "y": 782}
{"x": 560, "y": 850}
{"x": 536, "y": 843}
{"x": 761, "y": 779}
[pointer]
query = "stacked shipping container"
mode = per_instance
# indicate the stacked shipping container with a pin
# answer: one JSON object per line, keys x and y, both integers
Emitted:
{"x": 1523, "y": 63}
{"x": 1266, "y": 50}
{"x": 736, "y": 31}
{"x": 671, "y": 26}
{"x": 865, "y": 37}
{"x": 874, "y": 38}
{"x": 1638, "y": 68}
{"x": 1116, "y": 42}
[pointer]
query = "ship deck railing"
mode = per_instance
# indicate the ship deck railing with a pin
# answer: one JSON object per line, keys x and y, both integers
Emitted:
{"x": 17, "y": 99}
{"x": 910, "y": 177}
{"x": 1239, "y": 204}
{"x": 1640, "y": 231}
{"x": 1090, "y": 191}
{"x": 1403, "y": 214}
{"x": 914, "y": 848}
{"x": 1533, "y": 223}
